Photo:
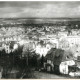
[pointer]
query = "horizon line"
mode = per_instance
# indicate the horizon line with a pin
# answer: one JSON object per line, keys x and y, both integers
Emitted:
{"x": 40, "y": 18}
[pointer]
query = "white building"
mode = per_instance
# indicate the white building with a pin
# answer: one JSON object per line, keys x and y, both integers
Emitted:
{"x": 64, "y": 66}
{"x": 73, "y": 40}
{"x": 7, "y": 48}
{"x": 42, "y": 50}
{"x": 69, "y": 41}
{"x": 62, "y": 34}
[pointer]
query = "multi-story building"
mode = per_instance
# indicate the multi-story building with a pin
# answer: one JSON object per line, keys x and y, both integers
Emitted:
{"x": 72, "y": 44}
{"x": 73, "y": 40}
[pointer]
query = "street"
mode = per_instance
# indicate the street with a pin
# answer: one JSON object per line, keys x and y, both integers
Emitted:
{"x": 43, "y": 75}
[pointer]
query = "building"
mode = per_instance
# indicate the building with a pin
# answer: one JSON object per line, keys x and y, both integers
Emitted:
{"x": 55, "y": 42}
{"x": 58, "y": 61}
{"x": 75, "y": 32}
{"x": 7, "y": 47}
{"x": 69, "y": 41}
{"x": 73, "y": 40}
{"x": 62, "y": 33}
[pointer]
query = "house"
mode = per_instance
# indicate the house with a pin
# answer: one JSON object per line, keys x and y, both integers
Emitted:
{"x": 74, "y": 71}
{"x": 42, "y": 48}
{"x": 58, "y": 61}
{"x": 7, "y": 48}
{"x": 49, "y": 58}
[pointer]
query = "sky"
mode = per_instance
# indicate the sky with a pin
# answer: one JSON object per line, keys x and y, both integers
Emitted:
{"x": 40, "y": 9}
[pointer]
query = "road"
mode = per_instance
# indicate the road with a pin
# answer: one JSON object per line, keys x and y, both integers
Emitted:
{"x": 43, "y": 75}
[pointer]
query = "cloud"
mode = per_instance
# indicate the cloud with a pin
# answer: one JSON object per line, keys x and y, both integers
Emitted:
{"x": 40, "y": 9}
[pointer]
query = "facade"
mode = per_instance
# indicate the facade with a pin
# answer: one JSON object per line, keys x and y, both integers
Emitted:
{"x": 69, "y": 41}
{"x": 7, "y": 49}
{"x": 73, "y": 40}
{"x": 8, "y": 46}
{"x": 43, "y": 49}
{"x": 64, "y": 66}
{"x": 10, "y": 38}
{"x": 62, "y": 34}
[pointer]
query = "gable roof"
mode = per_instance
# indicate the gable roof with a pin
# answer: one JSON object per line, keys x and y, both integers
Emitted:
{"x": 58, "y": 55}
{"x": 50, "y": 54}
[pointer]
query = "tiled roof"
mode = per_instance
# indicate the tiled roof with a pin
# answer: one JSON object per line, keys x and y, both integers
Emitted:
{"x": 57, "y": 56}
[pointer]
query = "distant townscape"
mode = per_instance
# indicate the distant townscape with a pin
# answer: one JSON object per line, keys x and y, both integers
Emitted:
{"x": 48, "y": 45}
{"x": 42, "y": 36}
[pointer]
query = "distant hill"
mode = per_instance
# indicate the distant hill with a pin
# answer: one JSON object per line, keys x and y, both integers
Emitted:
{"x": 38, "y": 21}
